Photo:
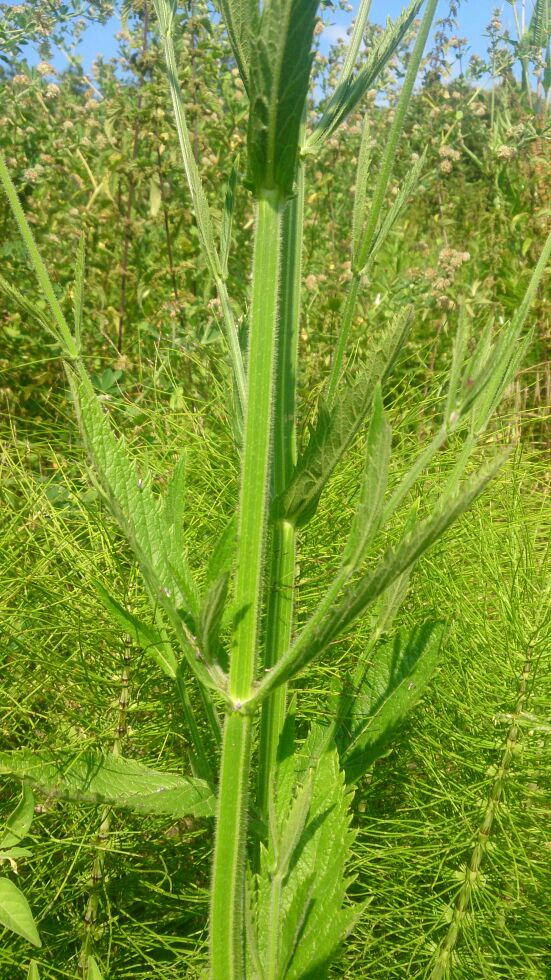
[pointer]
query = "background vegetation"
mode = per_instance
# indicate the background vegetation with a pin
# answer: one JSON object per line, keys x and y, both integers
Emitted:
{"x": 100, "y": 153}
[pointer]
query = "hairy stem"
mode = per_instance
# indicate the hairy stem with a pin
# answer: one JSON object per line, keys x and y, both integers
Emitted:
{"x": 228, "y": 891}
{"x": 279, "y": 615}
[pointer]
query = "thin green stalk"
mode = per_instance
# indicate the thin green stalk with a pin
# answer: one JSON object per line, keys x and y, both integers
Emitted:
{"x": 227, "y": 911}
{"x": 361, "y": 254}
{"x": 279, "y": 615}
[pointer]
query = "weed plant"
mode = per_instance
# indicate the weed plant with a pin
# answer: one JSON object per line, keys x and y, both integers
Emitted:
{"x": 228, "y": 639}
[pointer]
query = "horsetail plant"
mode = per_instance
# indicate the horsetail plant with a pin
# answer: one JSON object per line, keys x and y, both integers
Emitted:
{"x": 283, "y": 833}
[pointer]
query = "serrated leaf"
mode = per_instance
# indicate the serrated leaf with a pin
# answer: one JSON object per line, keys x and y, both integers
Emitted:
{"x": 176, "y": 496}
{"x": 313, "y": 916}
{"x": 335, "y": 430}
{"x": 280, "y": 63}
{"x": 328, "y": 622}
{"x": 539, "y": 29}
{"x": 223, "y": 553}
{"x": 91, "y": 777}
{"x": 25, "y": 304}
{"x": 15, "y": 912}
{"x": 141, "y": 516}
{"x": 398, "y": 560}
{"x": 210, "y": 617}
{"x": 391, "y": 686}
{"x": 352, "y": 88}
{"x": 365, "y": 251}
{"x": 240, "y": 18}
{"x": 227, "y": 219}
{"x": 19, "y": 822}
{"x": 145, "y": 636}
{"x": 368, "y": 514}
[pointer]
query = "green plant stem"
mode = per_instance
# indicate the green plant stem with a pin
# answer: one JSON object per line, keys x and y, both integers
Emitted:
{"x": 361, "y": 255}
{"x": 227, "y": 910}
{"x": 279, "y": 614}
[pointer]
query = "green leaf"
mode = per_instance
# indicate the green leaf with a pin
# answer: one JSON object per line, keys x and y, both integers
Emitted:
{"x": 91, "y": 777}
{"x": 396, "y": 561}
{"x": 227, "y": 219}
{"x": 240, "y": 18}
{"x": 15, "y": 854}
{"x": 303, "y": 895}
{"x": 352, "y": 88}
{"x": 539, "y": 29}
{"x": 33, "y": 972}
{"x": 335, "y": 430}
{"x": 15, "y": 912}
{"x": 176, "y": 496}
{"x": 31, "y": 309}
{"x": 141, "y": 516}
{"x": 223, "y": 553}
{"x": 365, "y": 251}
{"x": 19, "y": 822}
{"x": 93, "y": 971}
{"x": 330, "y": 618}
{"x": 280, "y": 64}
{"x": 145, "y": 636}
{"x": 367, "y": 518}
{"x": 210, "y": 617}
{"x": 391, "y": 686}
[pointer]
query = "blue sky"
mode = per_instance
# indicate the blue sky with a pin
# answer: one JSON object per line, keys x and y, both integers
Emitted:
{"x": 474, "y": 16}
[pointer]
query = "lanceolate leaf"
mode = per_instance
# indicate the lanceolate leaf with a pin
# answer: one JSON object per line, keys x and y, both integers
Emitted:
{"x": 94, "y": 972}
{"x": 176, "y": 497}
{"x": 396, "y": 561}
{"x": 90, "y": 777}
{"x": 304, "y": 899}
{"x": 370, "y": 507}
{"x": 15, "y": 913}
{"x": 19, "y": 822}
{"x": 352, "y": 88}
{"x": 281, "y": 59}
{"x": 210, "y": 617}
{"x": 240, "y": 18}
{"x": 227, "y": 220}
{"x": 140, "y": 515}
{"x": 393, "y": 682}
{"x": 539, "y": 30}
{"x": 327, "y": 623}
{"x": 335, "y": 431}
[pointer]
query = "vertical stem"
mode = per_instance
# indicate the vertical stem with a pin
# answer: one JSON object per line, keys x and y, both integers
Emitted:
{"x": 227, "y": 911}
{"x": 279, "y": 616}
